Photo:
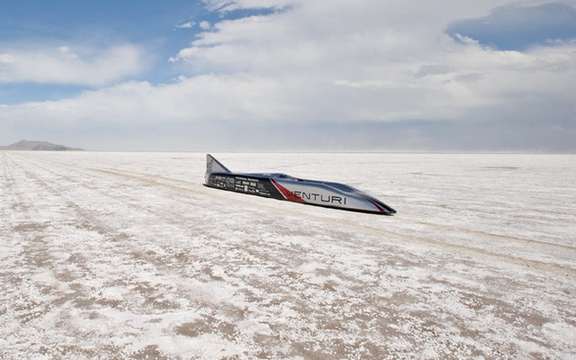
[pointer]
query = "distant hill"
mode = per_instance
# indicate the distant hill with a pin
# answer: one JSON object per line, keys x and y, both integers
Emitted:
{"x": 27, "y": 145}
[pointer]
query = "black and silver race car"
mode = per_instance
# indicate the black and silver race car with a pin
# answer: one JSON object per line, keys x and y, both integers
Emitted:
{"x": 285, "y": 187}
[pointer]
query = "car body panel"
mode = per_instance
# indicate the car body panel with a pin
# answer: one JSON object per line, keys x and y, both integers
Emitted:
{"x": 285, "y": 187}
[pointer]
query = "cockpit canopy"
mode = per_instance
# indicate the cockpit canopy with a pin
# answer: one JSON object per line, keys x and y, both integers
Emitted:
{"x": 342, "y": 187}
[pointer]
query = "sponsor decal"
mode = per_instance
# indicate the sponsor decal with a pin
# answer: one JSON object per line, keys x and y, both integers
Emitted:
{"x": 327, "y": 199}
{"x": 239, "y": 184}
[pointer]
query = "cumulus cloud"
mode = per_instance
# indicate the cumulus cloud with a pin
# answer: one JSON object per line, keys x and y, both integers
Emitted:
{"x": 137, "y": 103}
{"x": 232, "y": 5}
{"x": 311, "y": 63}
{"x": 372, "y": 60}
{"x": 66, "y": 65}
{"x": 186, "y": 25}
{"x": 205, "y": 25}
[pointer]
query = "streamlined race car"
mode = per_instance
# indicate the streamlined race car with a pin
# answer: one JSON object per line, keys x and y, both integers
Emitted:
{"x": 285, "y": 187}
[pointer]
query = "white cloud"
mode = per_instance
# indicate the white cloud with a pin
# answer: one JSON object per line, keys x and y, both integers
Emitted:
{"x": 205, "y": 25}
{"x": 231, "y": 5}
{"x": 65, "y": 65}
{"x": 366, "y": 60}
{"x": 338, "y": 60}
{"x": 186, "y": 25}
{"x": 189, "y": 100}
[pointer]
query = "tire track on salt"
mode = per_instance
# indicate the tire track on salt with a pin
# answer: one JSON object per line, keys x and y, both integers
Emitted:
{"x": 181, "y": 185}
{"x": 529, "y": 263}
{"x": 285, "y": 290}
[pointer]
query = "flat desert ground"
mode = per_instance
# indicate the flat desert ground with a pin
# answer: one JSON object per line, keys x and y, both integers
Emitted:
{"x": 128, "y": 256}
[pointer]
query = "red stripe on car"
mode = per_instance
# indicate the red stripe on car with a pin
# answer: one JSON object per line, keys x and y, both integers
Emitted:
{"x": 288, "y": 195}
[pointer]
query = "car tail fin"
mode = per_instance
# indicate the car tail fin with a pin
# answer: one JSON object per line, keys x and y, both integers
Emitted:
{"x": 213, "y": 165}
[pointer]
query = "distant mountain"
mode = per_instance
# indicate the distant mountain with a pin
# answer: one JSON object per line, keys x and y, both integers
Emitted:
{"x": 26, "y": 145}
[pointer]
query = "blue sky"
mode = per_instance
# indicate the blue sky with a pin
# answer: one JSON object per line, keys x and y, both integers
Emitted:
{"x": 367, "y": 75}
{"x": 154, "y": 25}
{"x": 520, "y": 27}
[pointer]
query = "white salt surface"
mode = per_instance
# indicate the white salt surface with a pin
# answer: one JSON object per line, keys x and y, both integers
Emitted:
{"x": 118, "y": 255}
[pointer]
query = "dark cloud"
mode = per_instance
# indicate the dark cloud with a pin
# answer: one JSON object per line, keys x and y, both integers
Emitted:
{"x": 520, "y": 27}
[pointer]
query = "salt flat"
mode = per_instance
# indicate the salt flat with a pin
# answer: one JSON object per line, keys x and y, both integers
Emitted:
{"x": 127, "y": 255}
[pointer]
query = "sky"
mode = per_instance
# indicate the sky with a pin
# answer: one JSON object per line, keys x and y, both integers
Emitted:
{"x": 290, "y": 75}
